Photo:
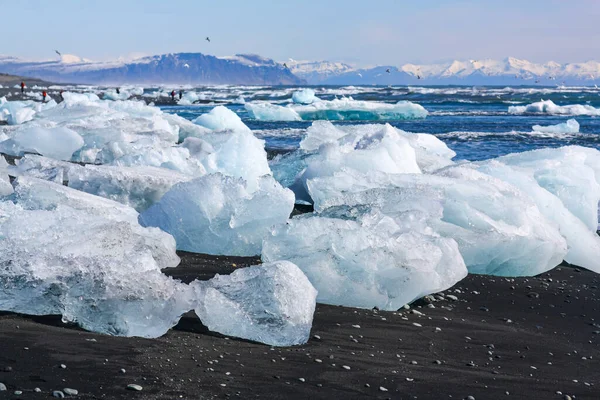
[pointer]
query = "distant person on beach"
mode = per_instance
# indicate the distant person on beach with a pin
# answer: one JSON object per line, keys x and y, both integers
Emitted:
{"x": 22, "y": 87}
{"x": 173, "y": 95}
{"x": 61, "y": 96}
{"x": 44, "y": 96}
{"x": 118, "y": 91}
{"x": 180, "y": 94}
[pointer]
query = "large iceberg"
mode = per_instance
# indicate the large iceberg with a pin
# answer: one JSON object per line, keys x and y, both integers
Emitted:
{"x": 367, "y": 259}
{"x": 271, "y": 303}
{"x": 216, "y": 214}
{"x": 345, "y": 108}
{"x": 571, "y": 126}
{"x": 548, "y": 107}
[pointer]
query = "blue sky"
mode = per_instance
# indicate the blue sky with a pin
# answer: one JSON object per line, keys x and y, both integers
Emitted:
{"x": 362, "y": 32}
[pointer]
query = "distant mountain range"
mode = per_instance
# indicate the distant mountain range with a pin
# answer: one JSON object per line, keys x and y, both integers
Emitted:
{"x": 251, "y": 69}
{"x": 179, "y": 68}
{"x": 472, "y": 72}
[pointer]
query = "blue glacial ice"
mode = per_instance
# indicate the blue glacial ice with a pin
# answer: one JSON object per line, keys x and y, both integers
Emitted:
{"x": 344, "y": 108}
{"x": 367, "y": 259}
{"x": 549, "y": 107}
{"x": 272, "y": 303}
{"x": 571, "y": 126}
{"x": 216, "y": 214}
{"x": 100, "y": 269}
{"x": 304, "y": 96}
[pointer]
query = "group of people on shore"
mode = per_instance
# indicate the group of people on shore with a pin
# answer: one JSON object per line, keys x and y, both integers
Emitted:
{"x": 44, "y": 93}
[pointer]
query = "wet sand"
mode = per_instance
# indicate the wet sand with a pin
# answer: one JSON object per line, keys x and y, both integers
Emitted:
{"x": 530, "y": 337}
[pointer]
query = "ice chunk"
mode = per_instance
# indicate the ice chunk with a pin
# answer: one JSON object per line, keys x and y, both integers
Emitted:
{"x": 383, "y": 150}
{"x": 583, "y": 243}
{"x": 571, "y": 126}
{"x": 548, "y": 107}
{"x": 370, "y": 260}
{"x": 216, "y": 214}
{"x": 5, "y": 186}
{"x": 42, "y": 168}
{"x": 304, "y": 96}
{"x": 18, "y": 112}
{"x": 345, "y": 108}
{"x": 320, "y": 133}
{"x": 190, "y": 97}
{"x": 238, "y": 154}
{"x": 137, "y": 187}
{"x": 499, "y": 229}
{"x": 570, "y": 173}
{"x": 35, "y": 194}
{"x": 271, "y": 303}
{"x": 221, "y": 118}
{"x": 58, "y": 143}
{"x": 271, "y": 112}
{"x": 96, "y": 272}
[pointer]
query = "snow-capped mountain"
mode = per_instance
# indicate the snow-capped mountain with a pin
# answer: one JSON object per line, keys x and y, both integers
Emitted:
{"x": 179, "y": 68}
{"x": 471, "y": 72}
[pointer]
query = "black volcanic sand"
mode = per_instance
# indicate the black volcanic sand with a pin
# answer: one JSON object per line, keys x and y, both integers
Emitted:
{"x": 530, "y": 337}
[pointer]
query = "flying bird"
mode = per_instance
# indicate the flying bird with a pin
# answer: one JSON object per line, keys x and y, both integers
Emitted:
{"x": 58, "y": 52}
{"x": 208, "y": 39}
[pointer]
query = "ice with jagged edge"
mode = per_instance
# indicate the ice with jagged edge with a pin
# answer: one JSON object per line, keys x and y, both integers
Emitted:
{"x": 217, "y": 214}
{"x": 124, "y": 93}
{"x": 137, "y": 187}
{"x": 102, "y": 273}
{"x": 272, "y": 303}
{"x": 363, "y": 258}
{"x": 304, "y": 96}
{"x": 571, "y": 126}
{"x": 18, "y": 112}
{"x": 100, "y": 269}
{"x": 516, "y": 215}
{"x": 59, "y": 143}
{"x": 345, "y": 108}
{"x": 365, "y": 148}
{"x": 549, "y": 107}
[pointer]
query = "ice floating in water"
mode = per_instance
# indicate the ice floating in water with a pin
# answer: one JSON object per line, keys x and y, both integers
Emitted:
{"x": 548, "y": 107}
{"x": 271, "y": 303}
{"x": 271, "y": 112}
{"x": 216, "y": 214}
{"x": 190, "y": 97}
{"x": 221, "y": 118}
{"x": 125, "y": 93}
{"x": 59, "y": 143}
{"x": 345, "y": 108}
{"x": 370, "y": 260}
{"x": 304, "y": 96}
{"x": 571, "y": 126}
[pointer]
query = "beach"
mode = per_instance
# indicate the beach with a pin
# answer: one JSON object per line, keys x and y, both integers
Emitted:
{"x": 489, "y": 337}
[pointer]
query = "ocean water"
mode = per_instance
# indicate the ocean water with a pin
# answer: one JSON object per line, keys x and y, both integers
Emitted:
{"x": 473, "y": 121}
